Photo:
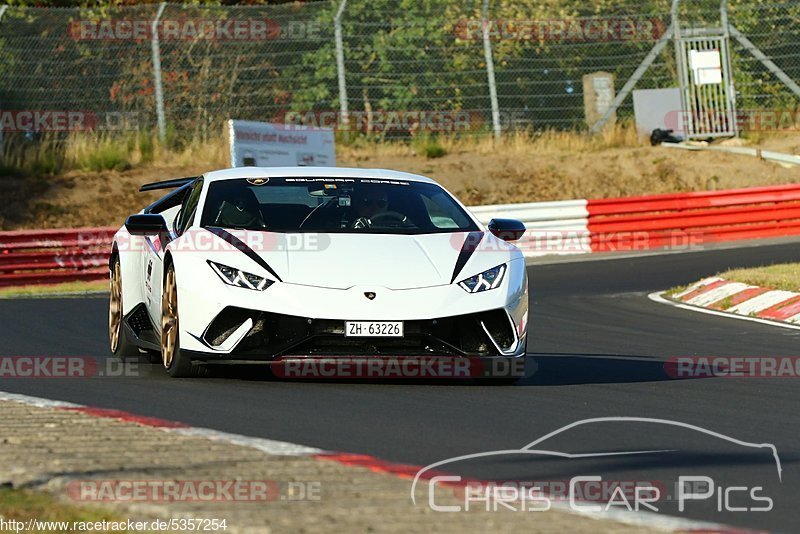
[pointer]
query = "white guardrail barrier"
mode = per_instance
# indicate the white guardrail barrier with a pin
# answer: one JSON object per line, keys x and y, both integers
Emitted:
{"x": 559, "y": 227}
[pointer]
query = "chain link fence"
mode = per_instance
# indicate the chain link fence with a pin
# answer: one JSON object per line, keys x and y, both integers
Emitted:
{"x": 402, "y": 64}
{"x": 774, "y": 29}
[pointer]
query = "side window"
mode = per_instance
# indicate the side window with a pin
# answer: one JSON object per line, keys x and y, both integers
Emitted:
{"x": 441, "y": 212}
{"x": 189, "y": 208}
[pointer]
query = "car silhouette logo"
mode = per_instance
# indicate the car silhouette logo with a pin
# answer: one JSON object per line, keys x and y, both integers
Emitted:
{"x": 370, "y": 295}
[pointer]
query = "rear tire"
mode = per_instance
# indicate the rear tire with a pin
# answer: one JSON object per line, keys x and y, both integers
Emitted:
{"x": 118, "y": 341}
{"x": 177, "y": 364}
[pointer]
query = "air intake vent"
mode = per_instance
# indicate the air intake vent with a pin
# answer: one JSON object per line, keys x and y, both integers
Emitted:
{"x": 225, "y": 324}
{"x": 499, "y": 328}
{"x": 139, "y": 321}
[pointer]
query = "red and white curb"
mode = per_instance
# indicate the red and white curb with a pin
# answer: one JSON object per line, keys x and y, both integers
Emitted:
{"x": 405, "y": 471}
{"x": 278, "y": 448}
{"x": 719, "y": 296}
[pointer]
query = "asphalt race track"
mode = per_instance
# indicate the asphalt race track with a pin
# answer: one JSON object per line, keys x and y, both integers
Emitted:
{"x": 599, "y": 345}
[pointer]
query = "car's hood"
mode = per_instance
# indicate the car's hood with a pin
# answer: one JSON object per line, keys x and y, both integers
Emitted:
{"x": 342, "y": 261}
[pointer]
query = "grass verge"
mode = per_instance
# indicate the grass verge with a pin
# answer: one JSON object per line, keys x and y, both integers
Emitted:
{"x": 56, "y": 289}
{"x": 674, "y": 291}
{"x": 23, "y": 505}
{"x": 97, "y": 152}
{"x": 784, "y": 276}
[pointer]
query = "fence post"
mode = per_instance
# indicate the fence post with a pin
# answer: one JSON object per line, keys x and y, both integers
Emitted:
{"x": 487, "y": 53}
{"x": 632, "y": 81}
{"x": 683, "y": 72}
{"x": 159, "y": 89}
{"x": 337, "y": 30}
{"x": 730, "y": 90}
{"x": 3, "y": 9}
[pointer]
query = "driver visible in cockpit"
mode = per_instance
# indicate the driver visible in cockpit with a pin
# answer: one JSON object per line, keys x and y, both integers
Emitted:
{"x": 367, "y": 204}
{"x": 372, "y": 202}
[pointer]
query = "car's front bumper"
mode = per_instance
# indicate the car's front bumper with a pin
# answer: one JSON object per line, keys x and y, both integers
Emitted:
{"x": 223, "y": 322}
{"x": 238, "y": 333}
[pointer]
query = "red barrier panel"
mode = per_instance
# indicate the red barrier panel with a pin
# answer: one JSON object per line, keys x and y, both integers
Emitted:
{"x": 29, "y": 257}
{"x": 683, "y": 240}
{"x": 691, "y": 219}
{"x": 36, "y": 239}
{"x": 54, "y": 277}
{"x": 74, "y": 256}
{"x": 696, "y": 219}
{"x": 696, "y": 200}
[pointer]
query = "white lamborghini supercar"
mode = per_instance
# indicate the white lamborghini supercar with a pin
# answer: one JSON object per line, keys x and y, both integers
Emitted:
{"x": 270, "y": 264}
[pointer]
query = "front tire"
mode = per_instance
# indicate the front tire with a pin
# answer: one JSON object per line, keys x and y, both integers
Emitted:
{"x": 118, "y": 341}
{"x": 177, "y": 364}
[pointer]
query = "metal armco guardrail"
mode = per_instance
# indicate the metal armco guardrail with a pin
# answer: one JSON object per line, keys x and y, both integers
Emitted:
{"x": 676, "y": 221}
{"x": 559, "y": 227}
{"x": 693, "y": 219}
{"x": 32, "y": 257}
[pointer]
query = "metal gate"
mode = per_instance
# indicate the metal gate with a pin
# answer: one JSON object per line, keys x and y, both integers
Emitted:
{"x": 703, "y": 64}
{"x": 707, "y": 92}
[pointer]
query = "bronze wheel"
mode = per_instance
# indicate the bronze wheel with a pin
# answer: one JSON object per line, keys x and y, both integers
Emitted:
{"x": 118, "y": 340}
{"x": 177, "y": 363}
{"x": 169, "y": 318}
{"x": 115, "y": 308}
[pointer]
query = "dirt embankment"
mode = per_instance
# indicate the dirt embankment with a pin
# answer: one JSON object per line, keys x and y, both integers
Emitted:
{"x": 477, "y": 174}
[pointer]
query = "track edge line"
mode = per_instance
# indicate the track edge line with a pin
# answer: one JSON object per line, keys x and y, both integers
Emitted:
{"x": 658, "y": 296}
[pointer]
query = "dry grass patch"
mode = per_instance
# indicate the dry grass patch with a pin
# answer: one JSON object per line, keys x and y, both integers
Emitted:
{"x": 784, "y": 276}
{"x": 76, "y": 288}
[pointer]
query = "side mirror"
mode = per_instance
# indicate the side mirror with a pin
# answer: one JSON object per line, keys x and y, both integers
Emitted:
{"x": 507, "y": 229}
{"x": 143, "y": 224}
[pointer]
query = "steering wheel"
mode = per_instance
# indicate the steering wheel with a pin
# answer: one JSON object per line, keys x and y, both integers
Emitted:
{"x": 387, "y": 216}
{"x": 247, "y": 221}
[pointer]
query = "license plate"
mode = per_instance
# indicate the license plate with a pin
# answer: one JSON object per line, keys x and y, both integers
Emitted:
{"x": 373, "y": 328}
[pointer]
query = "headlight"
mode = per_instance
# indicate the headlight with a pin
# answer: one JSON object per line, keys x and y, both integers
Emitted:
{"x": 235, "y": 277}
{"x": 486, "y": 280}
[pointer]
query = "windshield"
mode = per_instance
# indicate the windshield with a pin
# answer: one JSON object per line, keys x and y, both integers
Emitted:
{"x": 339, "y": 205}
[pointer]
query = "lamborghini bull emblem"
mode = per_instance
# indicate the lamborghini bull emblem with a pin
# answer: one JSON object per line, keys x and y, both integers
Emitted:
{"x": 370, "y": 295}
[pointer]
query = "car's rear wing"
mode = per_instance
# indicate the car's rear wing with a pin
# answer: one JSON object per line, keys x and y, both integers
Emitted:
{"x": 181, "y": 187}
{"x": 167, "y": 184}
